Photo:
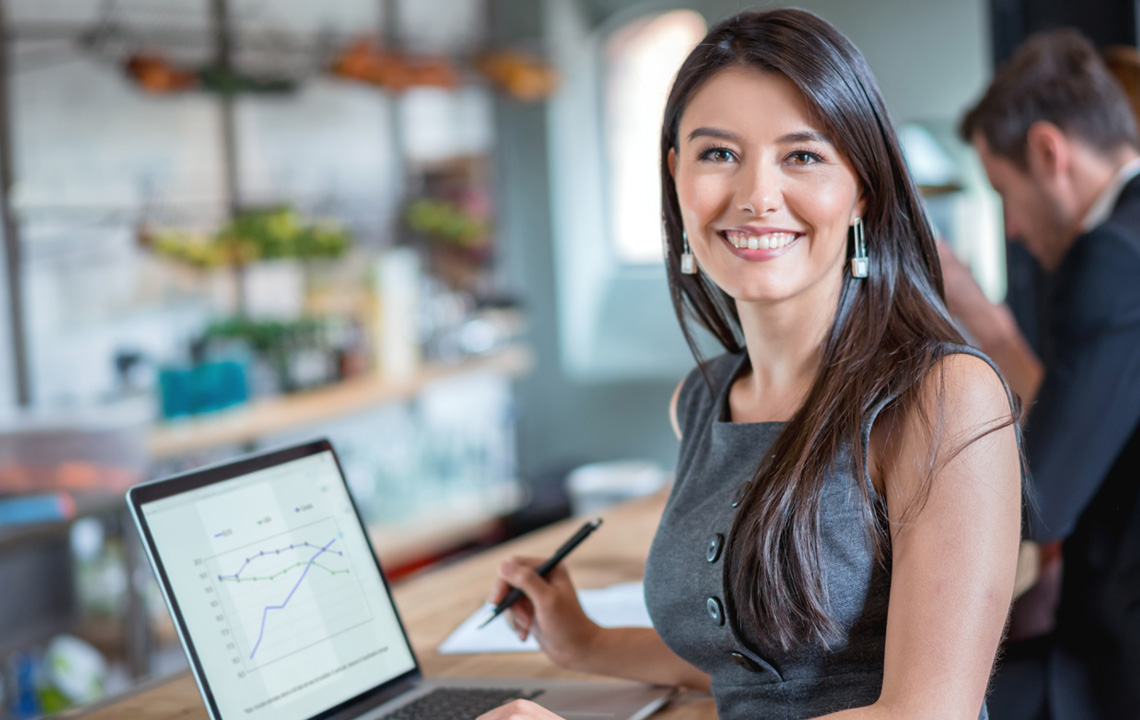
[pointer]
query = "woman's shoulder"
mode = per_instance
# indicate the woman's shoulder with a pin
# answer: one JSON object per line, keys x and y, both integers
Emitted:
{"x": 710, "y": 376}
{"x": 965, "y": 383}
{"x": 698, "y": 392}
{"x": 962, "y": 382}
{"x": 958, "y": 368}
{"x": 966, "y": 380}
{"x": 962, "y": 396}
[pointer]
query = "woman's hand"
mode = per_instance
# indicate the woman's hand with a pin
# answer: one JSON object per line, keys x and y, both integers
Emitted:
{"x": 520, "y": 710}
{"x": 550, "y": 610}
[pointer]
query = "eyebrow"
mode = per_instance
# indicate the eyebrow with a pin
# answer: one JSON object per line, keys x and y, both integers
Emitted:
{"x": 713, "y": 133}
{"x": 792, "y": 137}
{"x": 805, "y": 136}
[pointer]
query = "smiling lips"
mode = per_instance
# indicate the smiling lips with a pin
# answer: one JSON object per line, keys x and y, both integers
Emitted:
{"x": 752, "y": 244}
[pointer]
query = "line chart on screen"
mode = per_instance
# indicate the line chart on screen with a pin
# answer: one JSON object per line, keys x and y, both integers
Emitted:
{"x": 283, "y": 594}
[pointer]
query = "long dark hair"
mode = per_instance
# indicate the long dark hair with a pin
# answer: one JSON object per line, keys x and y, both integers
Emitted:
{"x": 890, "y": 329}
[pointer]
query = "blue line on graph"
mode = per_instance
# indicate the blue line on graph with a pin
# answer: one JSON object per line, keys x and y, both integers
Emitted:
{"x": 266, "y": 553}
{"x": 265, "y": 612}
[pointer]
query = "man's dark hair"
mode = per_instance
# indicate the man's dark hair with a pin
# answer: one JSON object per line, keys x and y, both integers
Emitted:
{"x": 1057, "y": 77}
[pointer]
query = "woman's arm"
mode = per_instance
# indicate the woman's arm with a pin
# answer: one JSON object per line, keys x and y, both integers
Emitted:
{"x": 640, "y": 654}
{"x": 954, "y": 550}
{"x": 551, "y": 611}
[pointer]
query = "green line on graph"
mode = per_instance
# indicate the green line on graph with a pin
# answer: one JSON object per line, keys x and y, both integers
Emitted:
{"x": 279, "y": 574}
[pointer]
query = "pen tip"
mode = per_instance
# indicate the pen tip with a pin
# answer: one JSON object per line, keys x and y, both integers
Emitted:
{"x": 487, "y": 620}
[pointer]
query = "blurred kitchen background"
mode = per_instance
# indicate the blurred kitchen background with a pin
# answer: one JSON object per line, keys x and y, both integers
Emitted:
{"x": 427, "y": 229}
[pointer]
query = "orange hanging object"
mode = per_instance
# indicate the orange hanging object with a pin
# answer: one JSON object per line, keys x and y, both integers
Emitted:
{"x": 523, "y": 76}
{"x": 365, "y": 61}
{"x": 155, "y": 74}
{"x": 433, "y": 72}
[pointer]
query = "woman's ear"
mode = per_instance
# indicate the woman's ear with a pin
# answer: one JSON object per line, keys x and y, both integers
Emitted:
{"x": 860, "y": 206}
{"x": 672, "y": 160}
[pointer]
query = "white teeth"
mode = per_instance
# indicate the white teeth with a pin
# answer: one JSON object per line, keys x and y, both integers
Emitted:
{"x": 769, "y": 241}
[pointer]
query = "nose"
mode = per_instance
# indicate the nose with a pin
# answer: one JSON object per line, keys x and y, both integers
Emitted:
{"x": 760, "y": 192}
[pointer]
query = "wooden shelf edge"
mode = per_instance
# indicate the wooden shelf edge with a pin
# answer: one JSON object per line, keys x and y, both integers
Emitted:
{"x": 282, "y": 414}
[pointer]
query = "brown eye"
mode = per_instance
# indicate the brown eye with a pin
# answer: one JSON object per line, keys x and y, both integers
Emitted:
{"x": 803, "y": 157}
{"x": 718, "y": 155}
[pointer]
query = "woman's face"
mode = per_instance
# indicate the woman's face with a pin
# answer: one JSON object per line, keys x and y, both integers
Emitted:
{"x": 766, "y": 197}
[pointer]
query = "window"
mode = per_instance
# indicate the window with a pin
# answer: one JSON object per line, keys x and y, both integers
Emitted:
{"x": 641, "y": 59}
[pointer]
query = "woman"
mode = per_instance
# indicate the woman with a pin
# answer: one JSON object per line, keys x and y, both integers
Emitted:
{"x": 842, "y": 536}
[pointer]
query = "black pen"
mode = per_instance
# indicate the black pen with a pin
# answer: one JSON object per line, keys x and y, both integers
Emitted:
{"x": 543, "y": 570}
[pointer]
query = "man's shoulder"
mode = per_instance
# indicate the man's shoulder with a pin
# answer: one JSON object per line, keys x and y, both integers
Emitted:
{"x": 1098, "y": 284}
{"x": 1110, "y": 249}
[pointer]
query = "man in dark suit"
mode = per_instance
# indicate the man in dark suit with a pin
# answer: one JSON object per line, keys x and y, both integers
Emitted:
{"x": 1058, "y": 141}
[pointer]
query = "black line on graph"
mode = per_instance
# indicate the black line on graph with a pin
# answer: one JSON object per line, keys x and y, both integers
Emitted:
{"x": 267, "y": 539}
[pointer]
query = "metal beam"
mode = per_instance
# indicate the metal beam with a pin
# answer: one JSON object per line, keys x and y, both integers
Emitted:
{"x": 223, "y": 37}
{"x": 397, "y": 132}
{"x": 9, "y": 224}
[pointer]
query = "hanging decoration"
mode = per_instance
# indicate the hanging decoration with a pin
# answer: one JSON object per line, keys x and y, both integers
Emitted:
{"x": 367, "y": 62}
{"x": 156, "y": 74}
{"x": 521, "y": 75}
{"x": 177, "y": 59}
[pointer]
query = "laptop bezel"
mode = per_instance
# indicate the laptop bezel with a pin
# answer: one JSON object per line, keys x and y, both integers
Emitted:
{"x": 171, "y": 486}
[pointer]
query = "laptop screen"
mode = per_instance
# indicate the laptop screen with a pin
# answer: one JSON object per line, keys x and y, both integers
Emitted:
{"x": 278, "y": 589}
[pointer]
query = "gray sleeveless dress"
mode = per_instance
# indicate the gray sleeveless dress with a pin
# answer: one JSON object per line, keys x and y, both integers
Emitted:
{"x": 685, "y": 586}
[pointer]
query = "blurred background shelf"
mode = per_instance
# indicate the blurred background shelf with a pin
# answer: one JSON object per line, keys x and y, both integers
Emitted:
{"x": 284, "y": 414}
{"x": 86, "y": 505}
{"x": 460, "y": 520}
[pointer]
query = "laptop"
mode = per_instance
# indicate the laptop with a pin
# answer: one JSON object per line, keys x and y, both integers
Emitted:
{"x": 284, "y": 612}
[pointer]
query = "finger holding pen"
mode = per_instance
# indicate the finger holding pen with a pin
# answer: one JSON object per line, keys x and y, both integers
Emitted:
{"x": 521, "y": 573}
{"x": 515, "y": 594}
{"x": 550, "y": 609}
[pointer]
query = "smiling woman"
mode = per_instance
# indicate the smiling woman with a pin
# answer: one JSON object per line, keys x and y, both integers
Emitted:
{"x": 757, "y": 181}
{"x": 841, "y": 538}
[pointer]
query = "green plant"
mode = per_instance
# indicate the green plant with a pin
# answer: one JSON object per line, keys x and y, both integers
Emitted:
{"x": 255, "y": 235}
{"x": 447, "y": 222}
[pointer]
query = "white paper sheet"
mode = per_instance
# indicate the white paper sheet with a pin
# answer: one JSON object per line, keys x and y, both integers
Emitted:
{"x": 621, "y": 605}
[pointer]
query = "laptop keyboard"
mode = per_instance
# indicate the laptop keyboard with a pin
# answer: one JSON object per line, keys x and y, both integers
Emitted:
{"x": 457, "y": 703}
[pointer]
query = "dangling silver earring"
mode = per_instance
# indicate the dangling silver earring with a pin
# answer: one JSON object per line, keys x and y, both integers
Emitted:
{"x": 688, "y": 262}
{"x": 860, "y": 264}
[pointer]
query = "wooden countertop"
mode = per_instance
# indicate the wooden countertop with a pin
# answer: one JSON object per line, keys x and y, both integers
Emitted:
{"x": 433, "y": 604}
